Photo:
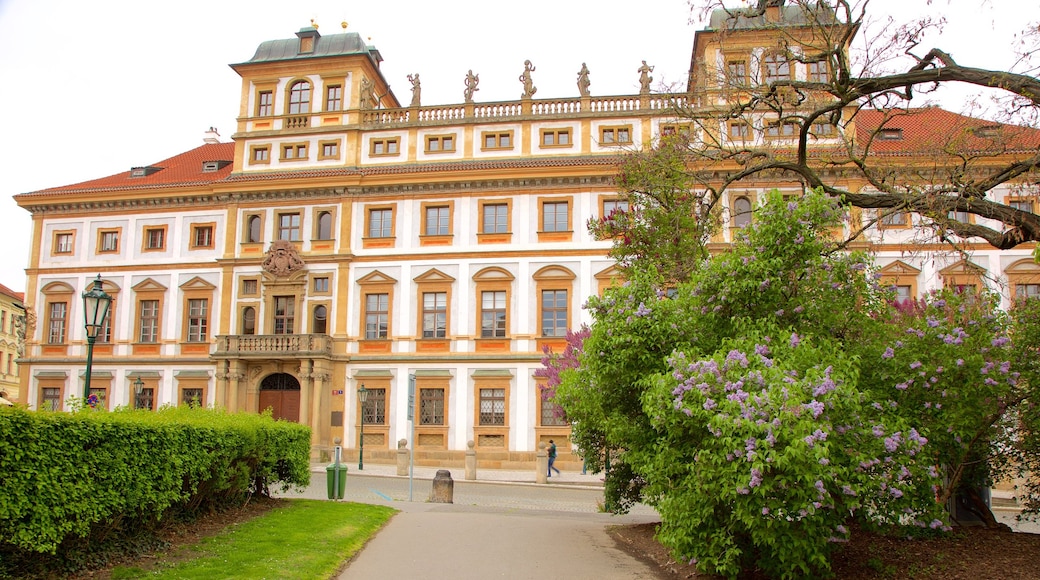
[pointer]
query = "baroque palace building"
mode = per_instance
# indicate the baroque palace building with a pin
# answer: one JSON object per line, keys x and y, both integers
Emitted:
{"x": 346, "y": 239}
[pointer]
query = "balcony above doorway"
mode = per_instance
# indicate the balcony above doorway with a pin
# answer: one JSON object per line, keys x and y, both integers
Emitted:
{"x": 265, "y": 346}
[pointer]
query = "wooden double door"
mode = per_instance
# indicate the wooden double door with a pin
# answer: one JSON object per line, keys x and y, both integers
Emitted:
{"x": 281, "y": 393}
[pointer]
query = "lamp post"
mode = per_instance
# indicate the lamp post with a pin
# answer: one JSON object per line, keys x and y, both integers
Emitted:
{"x": 362, "y": 396}
{"x": 138, "y": 387}
{"x": 95, "y": 309}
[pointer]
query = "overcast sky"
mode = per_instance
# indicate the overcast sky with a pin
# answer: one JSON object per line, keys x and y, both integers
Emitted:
{"x": 93, "y": 88}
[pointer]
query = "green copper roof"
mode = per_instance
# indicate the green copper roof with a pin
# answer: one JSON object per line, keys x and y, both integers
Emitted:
{"x": 332, "y": 45}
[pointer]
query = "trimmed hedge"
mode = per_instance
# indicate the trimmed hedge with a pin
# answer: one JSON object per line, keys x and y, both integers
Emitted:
{"x": 77, "y": 475}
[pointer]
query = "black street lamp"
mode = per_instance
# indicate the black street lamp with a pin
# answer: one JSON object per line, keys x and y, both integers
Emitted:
{"x": 138, "y": 388}
{"x": 95, "y": 309}
{"x": 362, "y": 396}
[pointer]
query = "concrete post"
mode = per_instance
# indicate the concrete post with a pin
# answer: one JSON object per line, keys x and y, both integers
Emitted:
{"x": 541, "y": 464}
{"x": 471, "y": 461}
{"x": 402, "y": 457}
{"x": 443, "y": 487}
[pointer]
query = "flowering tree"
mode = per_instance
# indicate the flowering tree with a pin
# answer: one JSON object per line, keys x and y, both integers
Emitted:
{"x": 778, "y": 396}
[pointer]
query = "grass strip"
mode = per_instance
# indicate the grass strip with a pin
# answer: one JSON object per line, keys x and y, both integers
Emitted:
{"x": 305, "y": 540}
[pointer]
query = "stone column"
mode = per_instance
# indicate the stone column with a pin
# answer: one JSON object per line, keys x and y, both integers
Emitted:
{"x": 443, "y": 487}
{"x": 471, "y": 461}
{"x": 541, "y": 464}
{"x": 402, "y": 457}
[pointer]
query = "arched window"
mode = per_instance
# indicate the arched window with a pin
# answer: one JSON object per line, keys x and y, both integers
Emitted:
{"x": 253, "y": 227}
{"x": 320, "y": 323}
{"x": 741, "y": 212}
{"x": 324, "y": 226}
{"x": 300, "y": 98}
{"x": 249, "y": 320}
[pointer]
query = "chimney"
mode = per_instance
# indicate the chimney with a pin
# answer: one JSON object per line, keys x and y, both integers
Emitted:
{"x": 211, "y": 136}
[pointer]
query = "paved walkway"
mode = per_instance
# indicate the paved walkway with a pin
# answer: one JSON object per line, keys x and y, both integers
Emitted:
{"x": 502, "y": 525}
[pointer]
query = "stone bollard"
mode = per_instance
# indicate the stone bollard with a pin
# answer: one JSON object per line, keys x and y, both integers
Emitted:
{"x": 402, "y": 457}
{"x": 471, "y": 461}
{"x": 541, "y": 464}
{"x": 443, "y": 487}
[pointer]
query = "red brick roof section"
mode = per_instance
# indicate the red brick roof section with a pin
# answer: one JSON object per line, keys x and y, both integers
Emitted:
{"x": 934, "y": 130}
{"x": 179, "y": 170}
{"x": 19, "y": 296}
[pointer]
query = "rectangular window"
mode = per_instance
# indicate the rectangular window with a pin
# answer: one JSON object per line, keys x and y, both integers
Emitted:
{"x": 440, "y": 143}
{"x": 154, "y": 238}
{"x": 823, "y": 129}
{"x": 264, "y": 104}
{"x": 249, "y": 287}
{"x": 260, "y": 155}
{"x": 192, "y": 397}
{"x": 498, "y": 140}
{"x": 198, "y": 320}
{"x": 321, "y": 285}
{"x": 556, "y": 137}
{"x": 496, "y": 218}
{"x": 492, "y": 406}
{"x": 781, "y": 130}
{"x": 493, "y": 314}
{"x": 201, "y": 236}
{"x": 895, "y": 219}
{"x": 63, "y": 243}
{"x": 739, "y": 130}
{"x": 1022, "y": 204}
{"x": 377, "y": 316}
{"x": 329, "y": 150}
{"x": 289, "y": 227}
{"x": 284, "y": 314}
{"x": 57, "y": 317}
{"x": 109, "y": 241}
{"x": 554, "y": 313}
{"x": 294, "y": 151}
{"x": 145, "y": 400}
{"x": 555, "y": 217}
{"x": 960, "y": 216}
{"x": 381, "y": 223}
{"x": 614, "y": 205}
{"x": 435, "y": 315}
{"x": 775, "y": 68}
{"x": 149, "y": 317}
{"x": 736, "y": 72}
{"x": 389, "y": 146}
{"x": 104, "y": 335}
{"x": 333, "y": 97}
{"x": 438, "y": 220}
{"x": 50, "y": 398}
{"x": 903, "y": 293}
{"x": 553, "y": 415}
{"x": 431, "y": 406}
{"x": 615, "y": 135}
{"x": 1027, "y": 291}
{"x": 817, "y": 72}
{"x": 374, "y": 407}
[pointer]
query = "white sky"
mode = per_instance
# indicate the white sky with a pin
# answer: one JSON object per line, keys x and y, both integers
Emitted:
{"x": 90, "y": 89}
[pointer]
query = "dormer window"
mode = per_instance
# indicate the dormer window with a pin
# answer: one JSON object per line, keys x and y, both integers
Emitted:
{"x": 143, "y": 171}
{"x": 987, "y": 131}
{"x": 214, "y": 166}
{"x": 308, "y": 39}
{"x": 890, "y": 135}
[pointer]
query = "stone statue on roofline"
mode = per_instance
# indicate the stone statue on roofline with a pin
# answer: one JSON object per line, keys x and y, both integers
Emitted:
{"x": 644, "y": 78}
{"x": 471, "y": 85}
{"x": 416, "y": 89}
{"x": 529, "y": 88}
{"x": 368, "y": 94}
{"x": 583, "y": 81}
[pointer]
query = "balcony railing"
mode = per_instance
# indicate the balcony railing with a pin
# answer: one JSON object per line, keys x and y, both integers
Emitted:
{"x": 273, "y": 345}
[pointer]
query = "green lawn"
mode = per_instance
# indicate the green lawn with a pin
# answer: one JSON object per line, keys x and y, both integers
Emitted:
{"x": 307, "y": 539}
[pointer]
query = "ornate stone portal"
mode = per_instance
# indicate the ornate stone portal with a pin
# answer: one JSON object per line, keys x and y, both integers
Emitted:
{"x": 282, "y": 259}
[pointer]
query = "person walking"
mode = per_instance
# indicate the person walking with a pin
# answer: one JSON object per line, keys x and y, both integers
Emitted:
{"x": 552, "y": 458}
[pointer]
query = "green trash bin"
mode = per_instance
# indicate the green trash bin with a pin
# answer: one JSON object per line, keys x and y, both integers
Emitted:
{"x": 336, "y": 491}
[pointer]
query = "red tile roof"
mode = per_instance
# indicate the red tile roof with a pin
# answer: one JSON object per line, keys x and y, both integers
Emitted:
{"x": 932, "y": 129}
{"x": 184, "y": 169}
{"x": 19, "y": 296}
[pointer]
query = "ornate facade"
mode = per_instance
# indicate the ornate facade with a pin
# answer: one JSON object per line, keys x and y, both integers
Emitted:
{"x": 427, "y": 252}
